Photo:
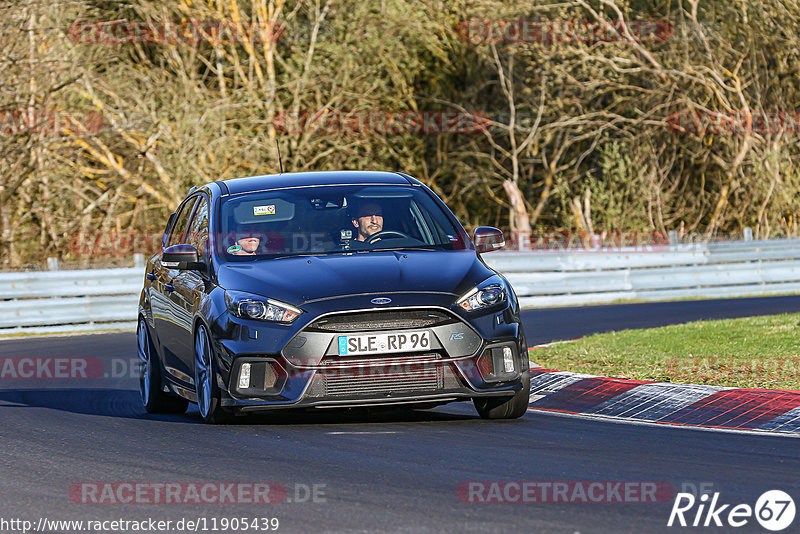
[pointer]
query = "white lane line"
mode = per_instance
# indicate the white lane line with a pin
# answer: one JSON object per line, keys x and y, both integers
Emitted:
{"x": 553, "y": 343}
{"x": 366, "y": 432}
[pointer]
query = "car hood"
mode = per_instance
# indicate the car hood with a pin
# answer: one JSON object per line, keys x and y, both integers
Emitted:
{"x": 308, "y": 279}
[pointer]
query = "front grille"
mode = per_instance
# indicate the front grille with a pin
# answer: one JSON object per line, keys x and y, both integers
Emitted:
{"x": 380, "y": 320}
{"x": 383, "y": 375}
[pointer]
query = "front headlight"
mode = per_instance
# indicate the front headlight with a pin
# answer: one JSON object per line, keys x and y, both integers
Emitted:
{"x": 488, "y": 293}
{"x": 249, "y": 306}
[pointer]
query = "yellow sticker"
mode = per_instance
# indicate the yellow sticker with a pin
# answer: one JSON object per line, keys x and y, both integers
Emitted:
{"x": 264, "y": 210}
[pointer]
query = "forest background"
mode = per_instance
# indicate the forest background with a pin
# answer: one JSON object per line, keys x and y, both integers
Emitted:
{"x": 582, "y": 118}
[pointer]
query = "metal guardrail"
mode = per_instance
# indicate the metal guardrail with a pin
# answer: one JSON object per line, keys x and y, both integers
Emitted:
{"x": 664, "y": 273}
{"x": 63, "y": 301}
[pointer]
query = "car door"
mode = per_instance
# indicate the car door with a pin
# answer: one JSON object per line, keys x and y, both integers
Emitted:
{"x": 168, "y": 323}
{"x": 154, "y": 284}
{"x": 189, "y": 289}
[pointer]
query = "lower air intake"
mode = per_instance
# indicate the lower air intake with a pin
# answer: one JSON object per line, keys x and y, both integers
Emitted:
{"x": 383, "y": 376}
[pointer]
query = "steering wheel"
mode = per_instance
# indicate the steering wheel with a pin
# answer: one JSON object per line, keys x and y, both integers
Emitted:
{"x": 386, "y": 233}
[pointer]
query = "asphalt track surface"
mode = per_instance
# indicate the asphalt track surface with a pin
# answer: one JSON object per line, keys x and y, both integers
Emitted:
{"x": 376, "y": 472}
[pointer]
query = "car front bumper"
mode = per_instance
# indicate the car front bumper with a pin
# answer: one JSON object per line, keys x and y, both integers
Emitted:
{"x": 460, "y": 364}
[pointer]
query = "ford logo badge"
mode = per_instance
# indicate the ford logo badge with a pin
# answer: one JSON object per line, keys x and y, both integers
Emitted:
{"x": 381, "y": 300}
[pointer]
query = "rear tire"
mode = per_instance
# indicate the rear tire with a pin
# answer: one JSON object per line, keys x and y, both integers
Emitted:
{"x": 505, "y": 407}
{"x": 153, "y": 398}
{"x": 205, "y": 380}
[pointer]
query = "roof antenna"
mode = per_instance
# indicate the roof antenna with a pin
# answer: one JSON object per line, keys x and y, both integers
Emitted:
{"x": 280, "y": 162}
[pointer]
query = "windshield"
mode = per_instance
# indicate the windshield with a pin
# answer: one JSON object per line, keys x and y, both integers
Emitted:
{"x": 329, "y": 220}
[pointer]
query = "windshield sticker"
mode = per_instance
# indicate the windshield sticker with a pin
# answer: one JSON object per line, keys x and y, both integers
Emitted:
{"x": 347, "y": 234}
{"x": 264, "y": 210}
{"x": 233, "y": 249}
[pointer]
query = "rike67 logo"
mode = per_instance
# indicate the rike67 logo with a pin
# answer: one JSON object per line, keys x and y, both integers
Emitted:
{"x": 774, "y": 510}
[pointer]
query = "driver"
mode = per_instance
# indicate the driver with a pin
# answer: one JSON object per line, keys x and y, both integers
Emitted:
{"x": 368, "y": 220}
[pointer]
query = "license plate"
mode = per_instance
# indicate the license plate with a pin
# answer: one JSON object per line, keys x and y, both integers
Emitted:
{"x": 384, "y": 343}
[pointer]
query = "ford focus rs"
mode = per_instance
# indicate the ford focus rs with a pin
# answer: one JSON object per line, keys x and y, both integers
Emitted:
{"x": 326, "y": 290}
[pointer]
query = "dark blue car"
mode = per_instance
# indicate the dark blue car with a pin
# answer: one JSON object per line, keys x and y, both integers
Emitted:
{"x": 325, "y": 290}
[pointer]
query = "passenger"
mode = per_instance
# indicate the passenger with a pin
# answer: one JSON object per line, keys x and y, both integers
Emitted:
{"x": 247, "y": 242}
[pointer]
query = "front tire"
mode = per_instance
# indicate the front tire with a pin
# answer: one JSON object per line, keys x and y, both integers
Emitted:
{"x": 153, "y": 398}
{"x": 505, "y": 407}
{"x": 208, "y": 393}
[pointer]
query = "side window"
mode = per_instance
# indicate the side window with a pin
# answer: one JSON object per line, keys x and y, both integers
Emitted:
{"x": 426, "y": 228}
{"x": 168, "y": 230}
{"x": 179, "y": 228}
{"x": 198, "y": 229}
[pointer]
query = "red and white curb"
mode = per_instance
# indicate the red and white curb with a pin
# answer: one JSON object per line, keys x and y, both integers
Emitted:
{"x": 666, "y": 403}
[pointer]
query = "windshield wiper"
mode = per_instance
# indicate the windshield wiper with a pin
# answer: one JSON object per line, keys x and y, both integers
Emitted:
{"x": 405, "y": 248}
{"x": 301, "y": 254}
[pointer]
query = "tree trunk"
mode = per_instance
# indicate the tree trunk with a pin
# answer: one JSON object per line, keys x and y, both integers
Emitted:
{"x": 518, "y": 216}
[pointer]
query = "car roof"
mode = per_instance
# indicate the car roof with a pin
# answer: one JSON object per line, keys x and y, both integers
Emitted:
{"x": 304, "y": 179}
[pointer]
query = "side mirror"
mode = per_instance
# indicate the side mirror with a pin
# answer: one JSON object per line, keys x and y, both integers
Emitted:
{"x": 488, "y": 239}
{"x": 183, "y": 257}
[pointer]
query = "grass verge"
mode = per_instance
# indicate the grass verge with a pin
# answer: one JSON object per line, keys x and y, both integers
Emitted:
{"x": 752, "y": 352}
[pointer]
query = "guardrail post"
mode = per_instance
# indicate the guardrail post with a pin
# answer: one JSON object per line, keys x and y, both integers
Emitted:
{"x": 52, "y": 264}
{"x": 673, "y": 237}
{"x": 748, "y": 234}
{"x": 138, "y": 260}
